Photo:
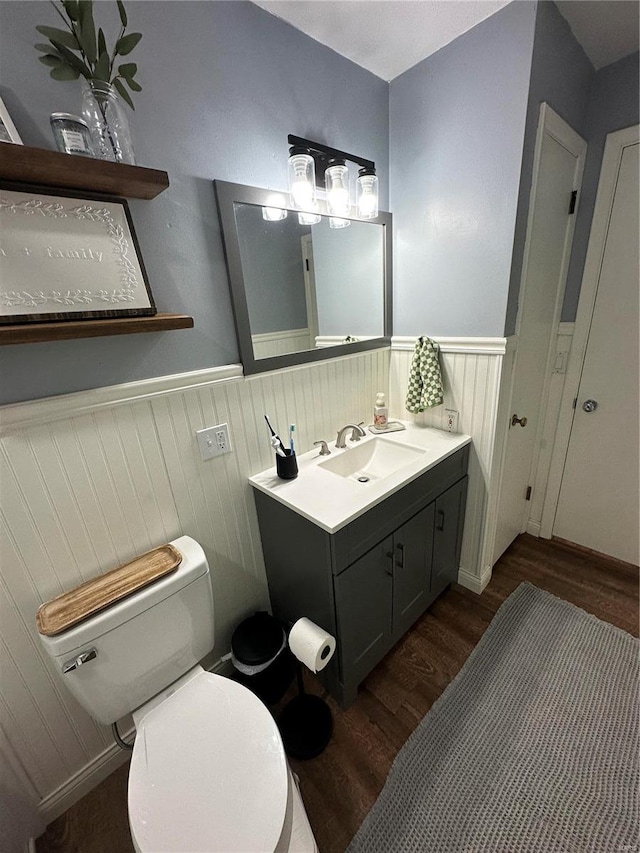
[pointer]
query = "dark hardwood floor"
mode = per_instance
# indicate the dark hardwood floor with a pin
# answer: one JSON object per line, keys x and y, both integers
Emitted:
{"x": 340, "y": 786}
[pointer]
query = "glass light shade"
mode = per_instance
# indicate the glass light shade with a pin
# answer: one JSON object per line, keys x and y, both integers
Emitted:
{"x": 337, "y": 183}
{"x": 302, "y": 181}
{"x": 309, "y": 218}
{"x": 367, "y": 196}
{"x": 335, "y": 222}
{"x": 273, "y": 214}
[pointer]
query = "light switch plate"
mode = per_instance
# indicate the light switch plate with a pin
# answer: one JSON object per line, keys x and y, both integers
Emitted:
{"x": 213, "y": 441}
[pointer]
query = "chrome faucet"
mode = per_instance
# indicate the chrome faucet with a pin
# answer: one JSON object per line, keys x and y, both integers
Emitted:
{"x": 356, "y": 434}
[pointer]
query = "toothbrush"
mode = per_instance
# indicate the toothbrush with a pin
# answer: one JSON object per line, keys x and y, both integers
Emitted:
{"x": 274, "y": 436}
{"x": 292, "y": 429}
{"x": 277, "y": 446}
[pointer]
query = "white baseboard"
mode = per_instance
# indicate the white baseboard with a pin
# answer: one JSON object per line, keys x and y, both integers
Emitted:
{"x": 533, "y": 527}
{"x": 473, "y": 582}
{"x": 75, "y": 788}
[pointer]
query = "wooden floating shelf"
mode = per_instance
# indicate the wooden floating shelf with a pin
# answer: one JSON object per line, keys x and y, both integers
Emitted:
{"x": 21, "y": 164}
{"x": 33, "y": 333}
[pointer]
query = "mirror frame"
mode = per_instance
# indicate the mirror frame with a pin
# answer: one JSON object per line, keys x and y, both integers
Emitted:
{"x": 228, "y": 194}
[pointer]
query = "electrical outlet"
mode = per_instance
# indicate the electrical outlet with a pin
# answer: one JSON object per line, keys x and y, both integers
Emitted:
{"x": 451, "y": 420}
{"x": 213, "y": 441}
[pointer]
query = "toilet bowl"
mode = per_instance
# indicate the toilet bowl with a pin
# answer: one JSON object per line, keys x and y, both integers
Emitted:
{"x": 208, "y": 771}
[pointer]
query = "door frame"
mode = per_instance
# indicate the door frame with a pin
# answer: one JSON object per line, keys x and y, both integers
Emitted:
{"x": 612, "y": 157}
{"x": 309, "y": 273}
{"x": 551, "y": 123}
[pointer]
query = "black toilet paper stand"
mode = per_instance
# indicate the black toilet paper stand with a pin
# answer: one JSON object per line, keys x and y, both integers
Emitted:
{"x": 306, "y": 722}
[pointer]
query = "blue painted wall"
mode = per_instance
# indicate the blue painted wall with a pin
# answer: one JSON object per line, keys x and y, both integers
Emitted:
{"x": 272, "y": 269}
{"x": 348, "y": 265}
{"x": 457, "y": 124}
{"x": 561, "y": 76}
{"x": 224, "y": 83}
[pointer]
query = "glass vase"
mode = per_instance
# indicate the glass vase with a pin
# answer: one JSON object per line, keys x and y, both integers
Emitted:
{"x": 104, "y": 112}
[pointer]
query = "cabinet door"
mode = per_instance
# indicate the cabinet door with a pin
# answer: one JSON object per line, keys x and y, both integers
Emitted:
{"x": 363, "y": 612}
{"x": 447, "y": 536}
{"x": 412, "y": 546}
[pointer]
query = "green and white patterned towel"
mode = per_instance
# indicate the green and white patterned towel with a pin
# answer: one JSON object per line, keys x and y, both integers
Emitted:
{"x": 425, "y": 379}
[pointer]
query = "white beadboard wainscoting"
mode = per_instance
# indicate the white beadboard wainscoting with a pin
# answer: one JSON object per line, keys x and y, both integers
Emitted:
{"x": 472, "y": 370}
{"x": 92, "y": 479}
{"x": 268, "y": 344}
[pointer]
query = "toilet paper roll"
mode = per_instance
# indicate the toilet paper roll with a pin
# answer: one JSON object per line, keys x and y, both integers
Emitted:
{"x": 312, "y": 645}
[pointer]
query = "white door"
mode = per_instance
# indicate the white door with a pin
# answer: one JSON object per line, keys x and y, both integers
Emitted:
{"x": 598, "y": 505}
{"x": 558, "y": 173}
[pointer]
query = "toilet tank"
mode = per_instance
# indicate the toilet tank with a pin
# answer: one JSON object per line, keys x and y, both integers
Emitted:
{"x": 143, "y": 643}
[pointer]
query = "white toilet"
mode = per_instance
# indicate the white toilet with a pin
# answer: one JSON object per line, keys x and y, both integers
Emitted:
{"x": 208, "y": 771}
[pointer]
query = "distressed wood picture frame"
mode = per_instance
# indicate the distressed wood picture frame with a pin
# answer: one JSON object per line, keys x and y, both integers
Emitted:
{"x": 68, "y": 258}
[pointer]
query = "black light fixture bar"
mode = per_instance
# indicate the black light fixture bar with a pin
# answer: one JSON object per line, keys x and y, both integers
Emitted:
{"x": 323, "y": 154}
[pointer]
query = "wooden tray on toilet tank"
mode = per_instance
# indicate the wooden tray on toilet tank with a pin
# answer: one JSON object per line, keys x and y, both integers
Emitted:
{"x": 70, "y": 608}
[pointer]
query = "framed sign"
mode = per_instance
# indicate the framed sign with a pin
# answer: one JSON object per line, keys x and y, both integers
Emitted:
{"x": 68, "y": 259}
{"x": 8, "y": 132}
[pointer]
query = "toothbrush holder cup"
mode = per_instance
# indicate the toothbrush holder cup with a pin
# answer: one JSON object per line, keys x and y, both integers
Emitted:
{"x": 287, "y": 466}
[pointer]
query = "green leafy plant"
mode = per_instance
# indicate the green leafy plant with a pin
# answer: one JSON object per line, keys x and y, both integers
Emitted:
{"x": 80, "y": 51}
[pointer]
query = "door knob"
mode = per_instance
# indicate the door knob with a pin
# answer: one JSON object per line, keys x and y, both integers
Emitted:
{"x": 589, "y": 406}
{"x": 516, "y": 420}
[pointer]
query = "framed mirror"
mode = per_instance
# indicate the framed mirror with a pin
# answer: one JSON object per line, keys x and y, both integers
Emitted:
{"x": 303, "y": 292}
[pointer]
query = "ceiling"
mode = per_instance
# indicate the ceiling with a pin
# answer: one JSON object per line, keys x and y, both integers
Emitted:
{"x": 389, "y": 36}
{"x": 606, "y": 29}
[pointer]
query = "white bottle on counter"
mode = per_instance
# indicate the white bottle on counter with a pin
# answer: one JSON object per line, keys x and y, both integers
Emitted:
{"x": 380, "y": 412}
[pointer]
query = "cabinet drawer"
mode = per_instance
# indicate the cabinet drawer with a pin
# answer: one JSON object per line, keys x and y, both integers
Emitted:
{"x": 361, "y": 535}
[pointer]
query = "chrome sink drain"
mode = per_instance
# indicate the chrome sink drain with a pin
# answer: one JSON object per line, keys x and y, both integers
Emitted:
{"x": 363, "y": 479}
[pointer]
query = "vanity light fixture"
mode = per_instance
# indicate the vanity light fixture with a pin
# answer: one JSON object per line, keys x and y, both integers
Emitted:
{"x": 273, "y": 214}
{"x": 309, "y": 218}
{"x": 313, "y": 164}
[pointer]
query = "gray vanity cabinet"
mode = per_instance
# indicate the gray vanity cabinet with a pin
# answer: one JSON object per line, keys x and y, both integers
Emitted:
{"x": 380, "y": 596}
{"x": 363, "y": 595}
{"x": 412, "y": 553}
{"x": 368, "y": 582}
{"x": 447, "y": 536}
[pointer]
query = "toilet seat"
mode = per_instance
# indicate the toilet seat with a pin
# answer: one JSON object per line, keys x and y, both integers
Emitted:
{"x": 208, "y": 772}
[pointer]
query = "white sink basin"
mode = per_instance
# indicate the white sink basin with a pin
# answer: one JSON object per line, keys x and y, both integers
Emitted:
{"x": 327, "y": 491}
{"x": 373, "y": 460}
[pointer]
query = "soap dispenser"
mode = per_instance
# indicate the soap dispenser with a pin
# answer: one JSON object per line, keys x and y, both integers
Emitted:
{"x": 380, "y": 412}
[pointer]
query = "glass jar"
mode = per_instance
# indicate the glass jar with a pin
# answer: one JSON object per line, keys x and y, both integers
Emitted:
{"x": 367, "y": 194}
{"x": 337, "y": 183}
{"x": 104, "y": 112}
{"x": 302, "y": 179}
{"x": 71, "y": 134}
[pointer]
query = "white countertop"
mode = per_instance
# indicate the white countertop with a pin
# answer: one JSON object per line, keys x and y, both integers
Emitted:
{"x": 332, "y": 501}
